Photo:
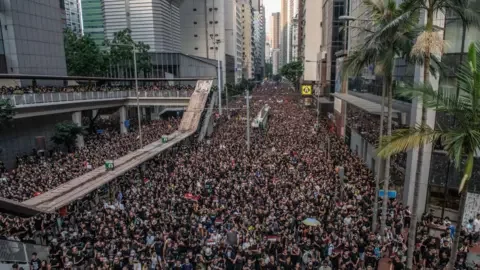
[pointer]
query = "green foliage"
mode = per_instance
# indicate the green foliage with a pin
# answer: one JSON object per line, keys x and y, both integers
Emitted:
{"x": 293, "y": 72}
{"x": 84, "y": 57}
{"x": 66, "y": 134}
{"x": 6, "y": 113}
{"x": 459, "y": 141}
{"x": 121, "y": 51}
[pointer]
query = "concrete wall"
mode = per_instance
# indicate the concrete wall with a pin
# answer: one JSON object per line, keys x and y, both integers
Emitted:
{"x": 20, "y": 138}
{"x": 313, "y": 40}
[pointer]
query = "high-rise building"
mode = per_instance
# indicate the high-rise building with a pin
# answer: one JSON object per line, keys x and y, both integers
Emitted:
{"x": 248, "y": 38}
{"x": 276, "y": 34}
{"x": 233, "y": 40}
{"x": 259, "y": 40}
{"x": 275, "y": 30}
{"x": 72, "y": 13}
{"x": 283, "y": 32}
{"x": 154, "y": 22}
{"x": 31, "y": 38}
{"x": 93, "y": 21}
{"x": 332, "y": 41}
{"x": 203, "y": 26}
{"x": 312, "y": 40}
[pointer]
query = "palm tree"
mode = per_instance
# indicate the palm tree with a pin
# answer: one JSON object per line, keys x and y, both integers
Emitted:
{"x": 390, "y": 36}
{"x": 428, "y": 43}
{"x": 459, "y": 141}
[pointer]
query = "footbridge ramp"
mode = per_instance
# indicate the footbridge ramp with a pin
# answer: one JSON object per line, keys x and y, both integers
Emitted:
{"x": 79, "y": 187}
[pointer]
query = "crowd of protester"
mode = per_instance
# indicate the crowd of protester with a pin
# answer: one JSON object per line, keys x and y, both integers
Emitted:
{"x": 215, "y": 205}
{"x": 17, "y": 90}
{"x": 368, "y": 126}
{"x": 37, "y": 173}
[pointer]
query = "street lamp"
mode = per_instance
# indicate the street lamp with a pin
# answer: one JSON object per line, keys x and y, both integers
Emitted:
{"x": 134, "y": 49}
{"x": 219, "y": 73}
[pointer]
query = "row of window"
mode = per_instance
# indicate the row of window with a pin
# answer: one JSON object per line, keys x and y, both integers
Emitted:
{"x": 211, "y": 22}
{"x": 210, "y": 9}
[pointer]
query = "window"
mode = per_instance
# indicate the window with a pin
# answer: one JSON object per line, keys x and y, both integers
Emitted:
{"x": 211, "y": 22}
{"x": 196, "y": 48}
{"x": 211, "y": 48}
{"x": 194, "y": 9}
{"x": 194, "y": 22}
{"x": 210, "y": 9}
{"x": 195, "y": 35}
{"x": 216, "y": 22}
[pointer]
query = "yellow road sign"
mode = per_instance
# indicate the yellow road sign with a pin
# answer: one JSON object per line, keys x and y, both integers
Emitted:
{"x": 306, "y": 90}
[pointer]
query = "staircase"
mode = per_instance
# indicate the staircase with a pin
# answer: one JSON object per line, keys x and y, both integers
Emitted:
{"x": 207, "y": 117}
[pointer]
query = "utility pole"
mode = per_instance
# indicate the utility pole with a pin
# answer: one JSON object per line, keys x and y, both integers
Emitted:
{"x": 138, "y": 94}
{"x": 247, "y": 96}
{"x": 226, "y": 98}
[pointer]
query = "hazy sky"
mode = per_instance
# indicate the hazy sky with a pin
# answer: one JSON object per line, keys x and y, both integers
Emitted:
{"x": 270, "y": 7}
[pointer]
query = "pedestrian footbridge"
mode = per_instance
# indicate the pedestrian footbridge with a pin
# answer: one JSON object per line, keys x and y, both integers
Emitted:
{"x": 37, "y": 104}
{"x": 81, "y": 186}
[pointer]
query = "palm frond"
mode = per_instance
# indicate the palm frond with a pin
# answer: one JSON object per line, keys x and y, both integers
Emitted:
{"x": 406, "y": 139}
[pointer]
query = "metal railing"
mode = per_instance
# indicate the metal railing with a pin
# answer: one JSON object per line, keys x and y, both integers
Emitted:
{"x": 19, "y": 252}
{"x": 44, "y": 98}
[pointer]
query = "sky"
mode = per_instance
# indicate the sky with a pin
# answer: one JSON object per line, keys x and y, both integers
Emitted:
{"x": 270, "y": 7}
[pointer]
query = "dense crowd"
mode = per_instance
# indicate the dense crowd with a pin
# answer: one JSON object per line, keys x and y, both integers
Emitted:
{"x": 17, "y": 90}
{"x": 215, "y": 205}
{"x": 38, "y": 173}
{"x": 368, "y": 126}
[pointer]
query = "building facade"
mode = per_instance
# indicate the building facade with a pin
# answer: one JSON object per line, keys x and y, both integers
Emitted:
{"x": 248, "y": 38}
{"x": 32, "y": 38}
{"x": 203, "y": 29}
{"x": 312, "y": 40}
{"x": 275, "y": 32}
{"x": 332, "y": 38}
{"x": 73, "y": 16}
{"x": 154, "y": 22}
{"x": 259, "y": 39}
{"x": 93, "y": 21}
{"x": 233, "y": 40}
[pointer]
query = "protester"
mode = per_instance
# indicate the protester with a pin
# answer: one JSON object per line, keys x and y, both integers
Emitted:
{"x": 215, "y": 205}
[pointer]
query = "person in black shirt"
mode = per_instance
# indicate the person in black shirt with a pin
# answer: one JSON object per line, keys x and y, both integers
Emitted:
{"x": 397, "y": 264}
{"x": 35, "y": 262}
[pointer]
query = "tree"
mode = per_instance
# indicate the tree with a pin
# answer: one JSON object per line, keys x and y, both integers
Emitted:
{"x": 293, "y": 72}
{"x": 83, "y": 56}
{"x": 460, "y": 141}
{"x": 66, "y": 133}
{"x": 121, "y": 51}
{"x": 6, "y": 113}
{"x": 430, "y": 42}
{"x": 390, "y": 37}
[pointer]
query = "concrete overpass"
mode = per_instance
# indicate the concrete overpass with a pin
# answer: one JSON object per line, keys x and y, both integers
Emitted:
{"x": 79, "y": 187}
{"x": 30, "y": 105}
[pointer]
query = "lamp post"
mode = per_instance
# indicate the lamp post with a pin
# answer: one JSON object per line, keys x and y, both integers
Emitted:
{"x": 134, "y": 49}
{"x": 219, "y": 73}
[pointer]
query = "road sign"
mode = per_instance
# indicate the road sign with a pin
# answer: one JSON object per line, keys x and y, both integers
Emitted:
{"x": 306, "y": 90}
{"x": 109, "y": 165}
{"x": 392, "y": 194}
{"x": 126, "y": 123}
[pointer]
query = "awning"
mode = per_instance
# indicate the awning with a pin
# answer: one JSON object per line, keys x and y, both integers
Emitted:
{"x": 366, "y": 105}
